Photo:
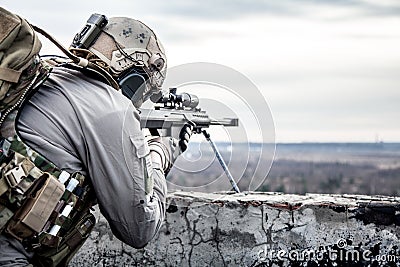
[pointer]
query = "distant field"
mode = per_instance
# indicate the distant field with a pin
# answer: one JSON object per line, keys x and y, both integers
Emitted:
{"x": 359, "y": 168}
{"x": 356, "y": 168}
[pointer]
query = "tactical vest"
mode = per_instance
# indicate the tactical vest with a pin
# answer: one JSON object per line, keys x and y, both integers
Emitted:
{"x": 44, "y": 207}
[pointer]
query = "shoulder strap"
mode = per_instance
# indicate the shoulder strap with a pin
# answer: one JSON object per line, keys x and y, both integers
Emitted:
{"x": 26, "y": 88}
{"x": 82, "y": 62}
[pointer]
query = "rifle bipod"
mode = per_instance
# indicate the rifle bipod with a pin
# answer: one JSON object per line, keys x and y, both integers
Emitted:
{"x": 221, "y": 161}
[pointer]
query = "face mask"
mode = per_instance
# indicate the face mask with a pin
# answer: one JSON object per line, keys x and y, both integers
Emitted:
{"x": 135, "y": 88}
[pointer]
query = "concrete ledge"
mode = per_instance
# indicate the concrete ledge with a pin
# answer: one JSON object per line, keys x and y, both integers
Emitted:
{"x": 260, "y": 229}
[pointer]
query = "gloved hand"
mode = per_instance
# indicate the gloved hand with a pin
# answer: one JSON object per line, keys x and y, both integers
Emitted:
{"x": 169, "y": 148}
{"x": 184, "y": 136}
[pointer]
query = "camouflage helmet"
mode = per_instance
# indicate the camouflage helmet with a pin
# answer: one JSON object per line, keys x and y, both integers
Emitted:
{"x": 127, "y": 44}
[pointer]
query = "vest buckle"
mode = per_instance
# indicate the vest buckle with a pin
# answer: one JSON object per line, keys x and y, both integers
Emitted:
{"x": 15, "y": 175}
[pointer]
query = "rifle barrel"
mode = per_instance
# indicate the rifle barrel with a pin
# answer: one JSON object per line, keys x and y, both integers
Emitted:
{"x": 225, "y": 122}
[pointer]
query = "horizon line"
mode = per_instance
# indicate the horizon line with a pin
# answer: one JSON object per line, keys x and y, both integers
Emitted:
{"x": 310, "y": 142}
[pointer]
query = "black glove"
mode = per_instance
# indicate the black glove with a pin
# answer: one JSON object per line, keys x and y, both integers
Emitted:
{"x": 184, "y": 136}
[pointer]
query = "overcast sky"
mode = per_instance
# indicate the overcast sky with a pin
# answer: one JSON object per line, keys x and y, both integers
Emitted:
{"x": 330, "y": 70}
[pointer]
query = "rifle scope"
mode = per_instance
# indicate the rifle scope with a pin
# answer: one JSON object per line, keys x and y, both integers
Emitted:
{"x": 185, "y": 99}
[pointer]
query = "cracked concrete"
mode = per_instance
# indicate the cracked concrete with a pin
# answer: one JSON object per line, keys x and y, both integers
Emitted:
{"x": 260, "y": 229}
